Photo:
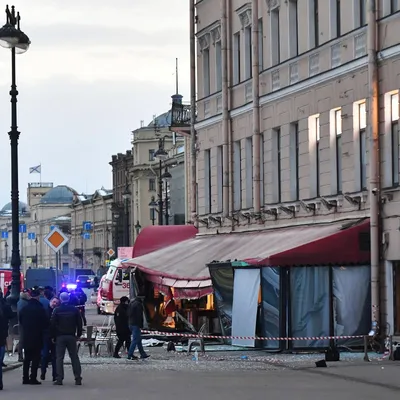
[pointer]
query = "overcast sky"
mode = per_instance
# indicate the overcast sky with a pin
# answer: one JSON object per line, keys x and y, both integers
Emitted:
{"x": 94, "y": 70}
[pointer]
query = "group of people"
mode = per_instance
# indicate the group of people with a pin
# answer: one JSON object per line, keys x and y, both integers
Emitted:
{"x": 128, "y": 319}
{"x": 48, "y": 326}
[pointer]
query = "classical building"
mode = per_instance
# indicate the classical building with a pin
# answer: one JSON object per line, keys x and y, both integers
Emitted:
{"x": 284, "y": 123}
{"x": 91, "y": 229}
{"x": 121, "y": 207}
{"x": 47, "y": 207}
{"x": 136, "y": 178}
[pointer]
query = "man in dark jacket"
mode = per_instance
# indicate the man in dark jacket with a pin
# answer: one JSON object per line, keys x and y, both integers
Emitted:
{"x": 5, "y": 316}
{"x": 82, "y": 299}
{"x": 135, "y": 315}
{"x": 66, "y": 329}
{"x": 122, "y": 326}
{"x": 23, "y": 301}
{"x": 34, "y": 321}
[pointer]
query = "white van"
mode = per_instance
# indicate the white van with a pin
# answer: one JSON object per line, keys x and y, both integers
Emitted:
{"x": 114, "y": 285}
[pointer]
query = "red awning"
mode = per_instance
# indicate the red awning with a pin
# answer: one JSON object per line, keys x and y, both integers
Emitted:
{"x": 153, "y": 238}
{"x": 347, "y": 246}
{"x": 184, "y": 264}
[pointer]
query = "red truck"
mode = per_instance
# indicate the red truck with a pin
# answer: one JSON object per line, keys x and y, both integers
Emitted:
{"x": 6, "y": 278}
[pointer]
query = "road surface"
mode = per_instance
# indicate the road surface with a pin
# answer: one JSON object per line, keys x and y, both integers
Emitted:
{"x": 124, "y": 381}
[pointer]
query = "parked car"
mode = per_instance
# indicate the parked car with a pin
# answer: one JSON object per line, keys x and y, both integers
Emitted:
{"x": 84, "y": 281}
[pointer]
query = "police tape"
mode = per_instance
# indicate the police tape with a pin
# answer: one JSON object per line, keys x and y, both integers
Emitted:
{"x": 201, "y": 336}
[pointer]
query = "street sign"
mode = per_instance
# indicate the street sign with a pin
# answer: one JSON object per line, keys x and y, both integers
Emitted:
{"x": 110, "y": 252}
{"x": 31, "y": 236}
{"x": 4, "y": 235}
{"x": 56, "y": 239}
{"x": 86, "y": 236}
{"x": 87, "y": 226}
{"x": 22, "y": 228}
{"x": 29, "y": 260}
{"x": 52, "y": 227}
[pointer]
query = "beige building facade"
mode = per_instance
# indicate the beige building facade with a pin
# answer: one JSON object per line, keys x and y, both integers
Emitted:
{"x": 48, "y": 206}
{"x": 313, "y": 119}
{"x": 91, "y": 229}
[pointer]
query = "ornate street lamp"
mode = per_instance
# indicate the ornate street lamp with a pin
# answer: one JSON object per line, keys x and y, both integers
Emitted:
{"x": 153, "y": 207}
{"x": 138, "y": 227}
{"x": 11, "y": 37}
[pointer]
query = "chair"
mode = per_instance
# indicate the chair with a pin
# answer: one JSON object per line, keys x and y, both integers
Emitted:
{"x": 89, "y": 340}
{"x": 104, "y": 338}
{"x": 199, "y": 340}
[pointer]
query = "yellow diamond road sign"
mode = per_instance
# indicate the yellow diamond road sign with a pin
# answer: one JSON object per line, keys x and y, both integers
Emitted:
{"x": 56, "y": 239}
{"x": 111, "y": 252}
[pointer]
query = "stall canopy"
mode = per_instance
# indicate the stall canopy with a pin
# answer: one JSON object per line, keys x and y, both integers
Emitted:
{"x": 153, "y": 238}
{"x": 184, "y": 265}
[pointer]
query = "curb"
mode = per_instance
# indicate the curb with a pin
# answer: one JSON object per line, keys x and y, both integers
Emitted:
{"x": 12, "y": 366}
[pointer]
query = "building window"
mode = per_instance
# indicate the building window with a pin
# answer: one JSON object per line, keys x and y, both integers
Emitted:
{"x": 363, "y": 12}
{"x": 294, "y": 161}
{"x": 394, "y": 6}
{"x": 394, "y": 100}
{"x": 262, "y": 197}
{"x": 206, "y": 72}
{"x": 260, "y": 44}
{"x": 249, "y": 172}
{"x": 314, "y": 147}
{"x": 236, "y": 59}
{"x": 363, "y": 145}
{"x": 277, "y": 162}
{"x": 151, "y": 154}
{"x": 275, "y": 38}
{"x": 237, "y": 176}
{"x": 313, "y": 23}
{"x": 218, "y": 66}
{"x": 248, "y": 53}
{"x": 335, "y": 19}
{"x": 207, "y": 181}
{"x": 220, "y": 178}
{"x": 317, "y": 150}
{"x": 338, "y": 138}
{"x": 152, "y": 184}
{"x": 293, "y": 29}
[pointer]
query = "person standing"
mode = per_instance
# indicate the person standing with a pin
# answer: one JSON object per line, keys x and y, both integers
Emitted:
{"x": 34, "y": 321}
{"x": 23, "y": 301}
{"x": 5, "y": 316}
{"x": 82, "y": 299}
{"x": 66, "y": 329}
{"x": 49, "y": 348}
{"x": 135, "y": 315}
{"x": 121, "y": 321}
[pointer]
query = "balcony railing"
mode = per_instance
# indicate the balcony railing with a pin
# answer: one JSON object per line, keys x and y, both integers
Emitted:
{"x": 181, "y": 115}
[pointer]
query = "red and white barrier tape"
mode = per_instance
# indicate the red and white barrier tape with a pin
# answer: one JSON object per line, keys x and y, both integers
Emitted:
{"x": 192, "y": 335}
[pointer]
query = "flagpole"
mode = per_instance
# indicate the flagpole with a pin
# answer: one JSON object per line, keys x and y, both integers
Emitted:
{"x": 40, "y": 173}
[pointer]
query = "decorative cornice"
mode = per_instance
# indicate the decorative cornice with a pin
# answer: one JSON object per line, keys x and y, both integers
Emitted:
{"x": 216, "y": 34}
{"x": 244, "y": 14}
{"x": 273, "y": 4}
{"x": 204, "y": 41}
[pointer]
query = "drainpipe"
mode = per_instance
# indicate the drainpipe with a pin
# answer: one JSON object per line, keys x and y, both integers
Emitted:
{"x": 256, "y": 110}
{"x": 193, "y": 153}
{"x": 225, "y": 108}
{"x": 374, "y": 179}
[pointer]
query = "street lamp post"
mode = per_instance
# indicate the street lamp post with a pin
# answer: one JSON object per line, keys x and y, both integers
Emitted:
{"x": 6, "y": 246}
{"x": 166, "y": 177}
{"x": 126, "y": 196}
{"x": 161, "y": 155}
{"x": 11, "y": 37}
{"x": 153, "y": 207}
{"x": 36, "y": 255}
